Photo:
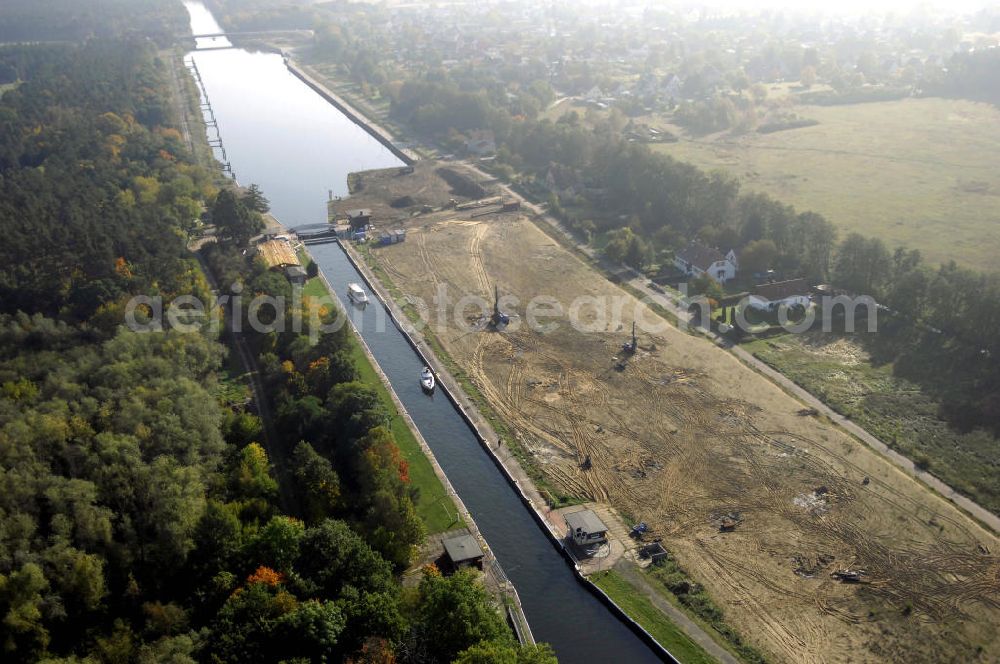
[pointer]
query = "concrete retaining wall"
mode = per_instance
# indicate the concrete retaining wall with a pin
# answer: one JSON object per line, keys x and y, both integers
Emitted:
{"x": 357, "y": 118}
{"x": 449, "y": 386}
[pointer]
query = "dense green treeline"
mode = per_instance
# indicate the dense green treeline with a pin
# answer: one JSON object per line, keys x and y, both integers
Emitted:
{"x": 78, "y": 20}
{"x": 106, "y": 450}
{"x": 939, "y": 329}
{"x": 614, "y": 184}
{"x": 974, "y": 75}
{"x": 141, "y": 519}
{"x": 344, "y": 463}
{"x": 319, "y": 404}
{"x": 94, "y": 196}
{"x": 109, "y": 439}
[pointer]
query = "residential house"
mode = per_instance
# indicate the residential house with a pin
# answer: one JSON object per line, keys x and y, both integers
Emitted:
{"x": 791, "y": 292}
{"x": 296, "y": 274}
{"x": 697, "y": 259}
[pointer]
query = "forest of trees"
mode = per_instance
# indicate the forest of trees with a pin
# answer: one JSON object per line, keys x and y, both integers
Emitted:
{"x": 94, "y": 198}
{"x": 142, "y": 518}
{"x": 974, "y": 75}
{"x": 74, "y": 20}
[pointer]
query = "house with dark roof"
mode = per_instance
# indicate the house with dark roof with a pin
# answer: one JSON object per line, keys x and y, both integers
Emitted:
{"x": 296, "y": 274}
{"x": 586, "y": 528}
{"x": 359, "y": 219}
{"x": 463, "y": 551}
{"x": 769, "y": 297}
{"x": 697, "y": 259}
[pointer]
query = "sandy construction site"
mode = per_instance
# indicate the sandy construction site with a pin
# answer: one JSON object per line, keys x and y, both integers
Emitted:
{"x": 682, "y": 436}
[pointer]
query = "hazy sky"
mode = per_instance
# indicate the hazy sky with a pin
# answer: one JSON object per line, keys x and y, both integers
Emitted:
{"x": 851, "y": 6}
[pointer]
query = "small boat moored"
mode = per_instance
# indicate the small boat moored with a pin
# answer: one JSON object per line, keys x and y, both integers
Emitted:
{"x": 427, "y": 381}
{"x": 357, "y": 295}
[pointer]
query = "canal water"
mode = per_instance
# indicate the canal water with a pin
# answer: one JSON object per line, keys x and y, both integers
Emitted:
{"x": 284, "y": 137}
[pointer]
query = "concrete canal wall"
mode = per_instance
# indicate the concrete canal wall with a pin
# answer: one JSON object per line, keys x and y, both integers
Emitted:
{"x": 509, "y": 466}
{"x": 378, "y": 133}
{"x": 514, "y": 608}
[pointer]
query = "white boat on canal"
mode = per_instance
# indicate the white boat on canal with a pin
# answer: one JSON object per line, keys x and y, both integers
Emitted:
{"x": 427, "y": 381}
{"x": 357, "y": 295}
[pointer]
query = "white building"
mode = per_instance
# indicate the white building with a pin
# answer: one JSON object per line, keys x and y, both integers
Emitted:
{"x": 768, "y": 297}
{"x": 696, "y": 259}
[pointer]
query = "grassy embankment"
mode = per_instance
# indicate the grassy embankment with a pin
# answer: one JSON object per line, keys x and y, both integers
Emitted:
{"x": 916, "y": 172}
{"x": 900, "y": 413}
{"x": 434, "y": 505}
{"x": 641, "y": 610}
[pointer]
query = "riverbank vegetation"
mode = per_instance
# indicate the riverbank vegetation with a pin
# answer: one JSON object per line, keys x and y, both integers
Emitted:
{"x": 433, "y": 505}
{"x": 143, "y": 517}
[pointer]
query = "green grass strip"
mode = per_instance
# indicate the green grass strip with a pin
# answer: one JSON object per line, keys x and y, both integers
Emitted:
{"x": 434, "y": 506}
{"x": 641, "y": 610}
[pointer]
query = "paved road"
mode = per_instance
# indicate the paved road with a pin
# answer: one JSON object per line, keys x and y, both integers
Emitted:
{"x": 641, "y": 284}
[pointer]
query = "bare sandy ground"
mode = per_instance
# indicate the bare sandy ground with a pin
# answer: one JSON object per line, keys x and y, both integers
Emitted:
{"x": 683, "y": 435}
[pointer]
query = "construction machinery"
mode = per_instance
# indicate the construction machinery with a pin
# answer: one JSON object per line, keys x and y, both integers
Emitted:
{"x": 850, "y": 575}
{"x": 629, "y": 347}
{"x": 499, "y": 319}
{"x": 728, "y": 522}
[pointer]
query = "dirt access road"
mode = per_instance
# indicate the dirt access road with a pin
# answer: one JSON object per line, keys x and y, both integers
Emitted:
{"x": 685, "y": 435}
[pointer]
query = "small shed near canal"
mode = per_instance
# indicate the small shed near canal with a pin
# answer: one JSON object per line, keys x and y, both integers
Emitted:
{"x": 463, "y": 551}
{"x": 586, "y": 528}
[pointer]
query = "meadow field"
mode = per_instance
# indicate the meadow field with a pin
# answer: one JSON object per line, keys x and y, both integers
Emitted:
{"x": 924, "y": 173}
